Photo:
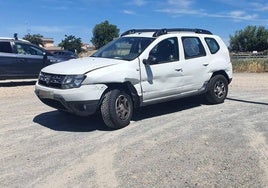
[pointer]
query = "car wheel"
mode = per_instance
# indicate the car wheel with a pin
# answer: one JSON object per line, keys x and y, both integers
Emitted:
{"x": 217, "y": 89}
{"x": 116, "y": 109}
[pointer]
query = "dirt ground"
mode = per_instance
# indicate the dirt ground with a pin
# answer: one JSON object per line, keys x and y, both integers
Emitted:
{"x": 183, "y": 143}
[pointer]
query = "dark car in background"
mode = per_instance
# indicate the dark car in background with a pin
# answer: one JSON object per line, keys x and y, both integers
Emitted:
{"x": 65, "y": 55}
{"x": 22, "y": 59}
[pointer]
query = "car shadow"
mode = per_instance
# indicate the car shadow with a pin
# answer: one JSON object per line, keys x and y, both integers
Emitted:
{"x": 17, "y": 83}
{"x": 60, "y": 121}
{"x": 246, "y": 101}
{"x": 167, "y": 107}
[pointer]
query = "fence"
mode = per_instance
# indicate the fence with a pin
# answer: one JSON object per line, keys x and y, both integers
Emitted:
{"x": 248, "y": 56}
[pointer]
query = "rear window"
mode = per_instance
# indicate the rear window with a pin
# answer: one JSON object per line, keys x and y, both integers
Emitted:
{"x": 5, "y": 47}
{"x": 212, "y": 45}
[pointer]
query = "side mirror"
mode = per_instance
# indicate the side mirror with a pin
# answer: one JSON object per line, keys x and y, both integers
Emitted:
{"x": 151, "y": 60}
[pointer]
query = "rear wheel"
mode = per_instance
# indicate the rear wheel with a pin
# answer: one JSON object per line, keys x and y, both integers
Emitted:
{"x": 217, "y": 89}
{"x": 116, "y": 109}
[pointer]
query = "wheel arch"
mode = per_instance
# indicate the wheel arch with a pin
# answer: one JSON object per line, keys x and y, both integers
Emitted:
{"x": 222, "y": 72}
{"x": 126, "y": 87}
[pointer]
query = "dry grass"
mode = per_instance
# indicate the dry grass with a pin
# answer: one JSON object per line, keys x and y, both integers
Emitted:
{"x": 252, "y": 65}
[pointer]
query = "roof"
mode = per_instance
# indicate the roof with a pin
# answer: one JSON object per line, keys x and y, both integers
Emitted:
{"x": 47, "y": 39}
{"x": 9, "y": 38}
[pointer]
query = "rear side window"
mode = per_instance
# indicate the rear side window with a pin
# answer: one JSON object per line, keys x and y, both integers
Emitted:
{"x": 192, "y": 47}
{"x": 212, "y": 45}
{"x": 28, "y": 49}
{"x": 5, "y": 47}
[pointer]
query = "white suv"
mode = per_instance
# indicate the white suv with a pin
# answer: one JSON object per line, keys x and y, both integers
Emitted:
{"x": 142, "y": 67}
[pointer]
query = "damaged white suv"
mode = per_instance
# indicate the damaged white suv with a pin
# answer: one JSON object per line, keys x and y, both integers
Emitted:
{"x": 141, "y": 67}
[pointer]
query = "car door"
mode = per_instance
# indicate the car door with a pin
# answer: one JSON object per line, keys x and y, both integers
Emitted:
{"x": 160, "y": 73}
{"x": 30, "y": 59}
{"x": 8, "y": 60}
{"x": 194, "y": 64}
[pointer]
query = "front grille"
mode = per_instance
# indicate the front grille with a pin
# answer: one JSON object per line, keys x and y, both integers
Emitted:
{"x": 51, "y": 80}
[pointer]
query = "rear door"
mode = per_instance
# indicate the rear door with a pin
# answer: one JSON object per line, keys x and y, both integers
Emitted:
{"x": 195, "y": 63}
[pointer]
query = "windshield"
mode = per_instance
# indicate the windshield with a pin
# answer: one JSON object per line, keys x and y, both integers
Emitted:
{"x": 125, "y": 48}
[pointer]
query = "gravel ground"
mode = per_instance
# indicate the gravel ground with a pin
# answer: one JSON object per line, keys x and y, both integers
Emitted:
{"x": 184, "y": 143}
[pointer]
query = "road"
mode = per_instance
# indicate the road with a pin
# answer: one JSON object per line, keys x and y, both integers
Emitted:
{"x": 183, "y": 143}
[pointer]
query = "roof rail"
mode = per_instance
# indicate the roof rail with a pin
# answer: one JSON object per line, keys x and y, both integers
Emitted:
{"x": 132, "y": 31}
{"x": 158, "y": 32}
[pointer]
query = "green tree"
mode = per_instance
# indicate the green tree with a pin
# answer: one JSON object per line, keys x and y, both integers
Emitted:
{"x": 34, "y": 39}
{"x": 250, "y": 39}
{"x": 71, "y": 43}
{"x": 104, "y": 33}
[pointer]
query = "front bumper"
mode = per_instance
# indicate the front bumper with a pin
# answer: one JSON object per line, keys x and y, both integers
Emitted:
{"x": 81, "y": 101}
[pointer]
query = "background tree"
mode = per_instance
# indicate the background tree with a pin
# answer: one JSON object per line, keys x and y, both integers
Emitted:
{"x": 71, "y": 43}
{"x": 250, "y": 39}
{"x": 104, "y": 33}
{"x": 35, "y": 39}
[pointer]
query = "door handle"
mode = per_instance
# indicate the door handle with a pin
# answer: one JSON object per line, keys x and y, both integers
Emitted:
{"x": 179, "y": 70}
{"x": 205, "y": 64}
{"x": 22, "y": 60}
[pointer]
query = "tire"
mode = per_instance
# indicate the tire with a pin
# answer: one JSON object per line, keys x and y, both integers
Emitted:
{"x": 116, "y": 109}
{"x": 217, "y": 89}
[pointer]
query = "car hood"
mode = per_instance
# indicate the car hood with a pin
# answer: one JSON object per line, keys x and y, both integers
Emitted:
{"x": 80, "y": 65}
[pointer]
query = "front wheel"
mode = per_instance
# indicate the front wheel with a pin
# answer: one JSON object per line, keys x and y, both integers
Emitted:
{"x": 116, "y": 109}
{"x": 217, "y": 89}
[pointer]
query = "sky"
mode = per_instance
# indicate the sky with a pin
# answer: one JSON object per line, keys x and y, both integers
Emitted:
{"x": 57, "y": 18}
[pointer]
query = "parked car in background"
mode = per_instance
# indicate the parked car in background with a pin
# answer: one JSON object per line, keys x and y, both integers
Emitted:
{"x": 21, "y": 59}
{"x": 65, "y": 55}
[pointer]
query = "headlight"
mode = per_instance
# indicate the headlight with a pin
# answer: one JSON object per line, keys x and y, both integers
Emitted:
{"x": 72, "y": 81}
